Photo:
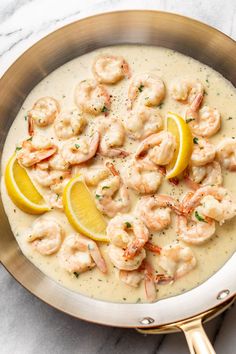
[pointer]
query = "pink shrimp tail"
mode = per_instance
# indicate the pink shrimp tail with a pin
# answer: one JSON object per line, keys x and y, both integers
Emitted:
{"x": 153, "y": 248}
{"x": 197, "y": 102}
{"x": 30, "y": 126}
{"x": 149, "y": 283}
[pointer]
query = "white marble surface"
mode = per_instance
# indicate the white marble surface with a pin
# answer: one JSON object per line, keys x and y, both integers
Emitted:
{"x": 28, "y": 326}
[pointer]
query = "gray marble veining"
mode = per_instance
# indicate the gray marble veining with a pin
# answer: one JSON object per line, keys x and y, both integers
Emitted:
{"x": 28, "y": 326}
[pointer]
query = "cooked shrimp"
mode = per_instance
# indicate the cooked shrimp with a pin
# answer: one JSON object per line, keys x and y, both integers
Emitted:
{"x": 54, "y": 199}
{"x": 177, "y": 260}
{"x": 46, "y": 176}
{"x": 109, "y": 69}
{"x": 79, "y": 254}
{"x": 131, "y": 278}
{"x": 78, "y": 150}
{"x": 143, "y": 122}
{"x": 216, "y": 203}
{"x": 142, "y": 176}
{"x": 226, "y": 153}
{"x": 203, "y": 122}
{"x": 185, "y": 90}
{"x": 196, "y": 230}
{"x": 159, "y": 148}
{"x": 112, "y": 195}
{"x": 112, "y": 137}
{"x": 118, "y": 258}
{"x": 128, "y": 232}
{"x": 92, "y": 98}
{"x": 94, "y": 174}
{"x": 148, "y": 89}
{"x": 203, "y": 153}
{"x": 209, "y": 174}
{"x": 155, "y": 211}
{"x": 44, "y": 111}
{"x": 35, "y": 150}
{"x": 56, "y": 162}
{"x": 46, "y": 236}
{"x": 69, "y": 123}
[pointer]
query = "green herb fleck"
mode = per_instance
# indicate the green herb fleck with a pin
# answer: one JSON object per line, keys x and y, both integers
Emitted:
{"x": 76, "y": 274}
{"x": 77, "y": 146}
{"x": 97, "y": 196}
{"x": 105, "y": 187}
{"x": 138, "y": 300}
{"x": 90, "y": 247}
{"x": 58, "y": 195}
{"x": 195, "y": 140}
{"x": 229, "y": 118}
{"x": 189, "y": 120}
{"x": 141, "y": 87}
{"x": 26, "y": 117}
{"x": 30, "y": 138}
{"x": 18, "y": 148}
{"x": 199, "y": 217}
{"x": 128, "y": 225}
{"x": 104, "y": 109}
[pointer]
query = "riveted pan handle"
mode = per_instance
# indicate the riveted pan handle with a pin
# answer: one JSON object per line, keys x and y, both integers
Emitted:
{"x": 197, "y": 339}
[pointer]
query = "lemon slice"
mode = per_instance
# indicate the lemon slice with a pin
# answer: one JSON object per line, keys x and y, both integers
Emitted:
{"x": 81, "y": 210}
{"x": 180, "y": 129}
{"x": 21, "y": 189}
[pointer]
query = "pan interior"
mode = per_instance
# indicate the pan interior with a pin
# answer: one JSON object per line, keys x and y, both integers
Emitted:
{"x": 37, "y": 64}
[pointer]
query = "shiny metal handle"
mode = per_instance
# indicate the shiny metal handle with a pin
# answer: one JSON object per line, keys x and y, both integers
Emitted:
{"x": 197, "y": 339}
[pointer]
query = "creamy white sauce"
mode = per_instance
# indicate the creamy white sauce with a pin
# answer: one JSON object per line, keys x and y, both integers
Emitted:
{"x": 60, "y": 84}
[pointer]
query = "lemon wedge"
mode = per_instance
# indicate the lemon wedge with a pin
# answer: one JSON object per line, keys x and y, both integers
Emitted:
{"x": 21, "y": 189}
{"x": 180, "y": 129}
{"x": 81, "y": 210}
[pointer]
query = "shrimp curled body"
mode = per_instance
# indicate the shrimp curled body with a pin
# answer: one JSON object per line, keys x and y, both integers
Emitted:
{"x": 46, "y": 236}
{"x": 148, "y": 89}
{"x": 109, "y": 69}
{"x": 203, "y": 122}
{"x": 92, "y": 98}
{"x": 44, "y": 111}
{"x": 78, "y": 254}
{"x": 78, "y": 150}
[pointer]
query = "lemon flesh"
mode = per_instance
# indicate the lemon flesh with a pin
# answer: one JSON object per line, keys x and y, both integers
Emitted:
{"x": 182, "y": 133}
{"x": 81, "y": 210}
{"x": 21, "y": 189}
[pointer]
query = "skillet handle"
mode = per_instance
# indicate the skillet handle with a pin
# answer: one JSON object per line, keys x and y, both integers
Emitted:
{"x": 197, "y": 339}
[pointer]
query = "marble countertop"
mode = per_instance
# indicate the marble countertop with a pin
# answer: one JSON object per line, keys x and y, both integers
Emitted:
{"x": 28, "y": 326}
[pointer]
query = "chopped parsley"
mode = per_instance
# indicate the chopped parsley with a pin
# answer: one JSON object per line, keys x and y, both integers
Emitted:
{"x": 77, "y": 146}
{"x": 199, "y": 217}
{"x": 76, "y": 274}
{"x": 104, "y": 109}
{"x": 30, "y": 138}
{"x": 189, "y": 120}
{"x": 141, "y": 87}
{"x": 97, "y": 196}
{"x": 128, "y": 225}
{"x": 18, "y": 148}
{"x": 26, "y": 117}
{"x": 105, "y": 187}
{"x": 195, "y": 140}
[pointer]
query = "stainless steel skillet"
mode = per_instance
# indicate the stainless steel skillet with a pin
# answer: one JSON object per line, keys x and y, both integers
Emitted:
{"x": 190, "y": 37}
